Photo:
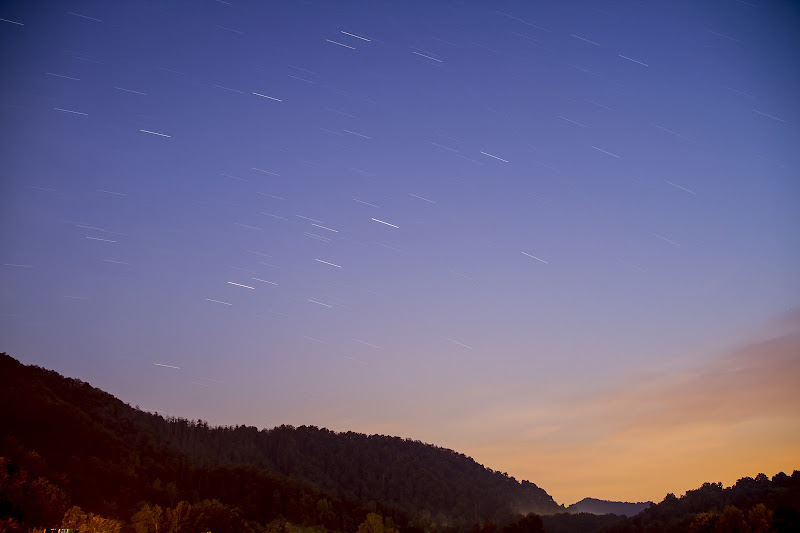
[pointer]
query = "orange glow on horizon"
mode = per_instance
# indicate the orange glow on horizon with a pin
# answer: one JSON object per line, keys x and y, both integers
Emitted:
{"x": 718, "y": 421}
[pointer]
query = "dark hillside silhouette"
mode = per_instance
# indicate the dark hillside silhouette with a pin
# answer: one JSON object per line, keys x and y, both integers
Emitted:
{"x": 401, "y": 472}
{"x": 106, "y": 444}
{"x": 65, "y": 443}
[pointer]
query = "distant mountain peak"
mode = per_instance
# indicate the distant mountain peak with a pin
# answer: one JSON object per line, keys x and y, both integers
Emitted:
{"x": 596, "y": 506}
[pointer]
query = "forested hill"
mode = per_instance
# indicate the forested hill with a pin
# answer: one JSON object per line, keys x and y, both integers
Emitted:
{"x": 52, "y": 414}
{"x": 74, "y": 456}
{"x": 402, "y": 472}
{"x": 751, "y": 505}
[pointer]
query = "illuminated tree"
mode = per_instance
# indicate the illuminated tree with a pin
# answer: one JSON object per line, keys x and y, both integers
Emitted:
{"x": 178, "y": 518}
{"x": 759, "y": 518}
{"x": 732, "y": 521}
{"x": 148, "y": 519}
{"x": 76, "y": 518}
{"x": 704, "y": 523}
{"x": 374, "y": 524}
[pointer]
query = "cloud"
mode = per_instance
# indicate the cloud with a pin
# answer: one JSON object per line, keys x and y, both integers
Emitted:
{"x": 752, "y": 382}
{"x": 715, "y": 418}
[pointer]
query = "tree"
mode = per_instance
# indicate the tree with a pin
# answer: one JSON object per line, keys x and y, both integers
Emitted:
{"x": 529, "y": 524}
{"x": 704, "y": 523}
{"x": 786, "y": 519}
{"x": 486, "y": 527}
{"x": 279, "y": 525}
{"x": 148, "y": 519}
{"x": 76, "y": 518}
{"x": 178, "y": 518}
{"x": 11, "y": 525}
{"x": 213, "y": 515}
{"x": 759, "y": 518}
{"x": 732, "y": 521}
{"x": 29, "y": 499}
{"x": 374, "y": 524}
{"x": 325, "y": 514}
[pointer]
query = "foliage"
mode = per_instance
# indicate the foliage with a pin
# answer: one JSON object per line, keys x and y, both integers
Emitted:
{"x": 583, "y": 523}
{"x": 401, "y": 473}
{"x": 75, "y": 518}
{"x": 128, "y": 445}
{"x": 749, "y": 505}
{"x": 374, "y": 524}
{"x": 529, "y": 524}
{"x": 27, "y": 496}
{"x": 102, "y": 457}
{"x": 733, "y": 520}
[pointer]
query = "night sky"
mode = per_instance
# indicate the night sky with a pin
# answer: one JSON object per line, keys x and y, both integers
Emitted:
{"x": 560, "y": 237}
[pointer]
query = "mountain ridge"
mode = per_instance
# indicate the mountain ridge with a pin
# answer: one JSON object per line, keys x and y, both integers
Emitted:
{"x": 409, "y": 475}
{"x": 598, "y": 506}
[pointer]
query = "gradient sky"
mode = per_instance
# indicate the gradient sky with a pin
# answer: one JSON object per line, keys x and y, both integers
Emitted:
{"x": 560, "y": 237}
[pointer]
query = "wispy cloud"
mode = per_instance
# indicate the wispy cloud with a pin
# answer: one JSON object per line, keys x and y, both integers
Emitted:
{"x": 752, "y": 382}
{"x": 668, "y": 430}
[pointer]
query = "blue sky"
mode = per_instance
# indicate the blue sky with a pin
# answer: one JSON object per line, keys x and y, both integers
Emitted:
{"x": 392, "y": 216}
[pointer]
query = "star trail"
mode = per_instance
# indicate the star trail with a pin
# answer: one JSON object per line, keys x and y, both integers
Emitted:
{"x": 480, "y": 214}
